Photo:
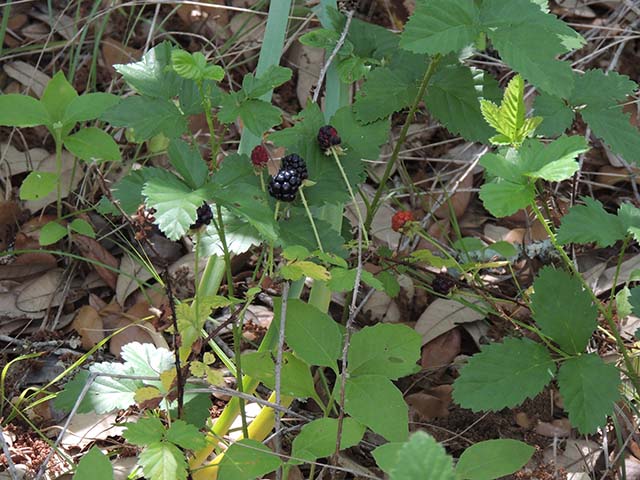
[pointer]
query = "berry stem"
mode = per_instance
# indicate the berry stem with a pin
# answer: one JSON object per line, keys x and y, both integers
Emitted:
{"x": 264, "y": 189}
{"x": 313, "y": 224}
{"x": 353, "y": 197}
{"x": 277, "y": 211}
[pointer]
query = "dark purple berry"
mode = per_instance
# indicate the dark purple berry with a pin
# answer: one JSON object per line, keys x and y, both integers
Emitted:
{"x": 284, "y": 185}
{"x": 259, "y": 156}
{"x": 205, "y": 215}
{"x": 328, "y": 137}
{"x": 443, "y": 283}
{"x": 297, "y": 163}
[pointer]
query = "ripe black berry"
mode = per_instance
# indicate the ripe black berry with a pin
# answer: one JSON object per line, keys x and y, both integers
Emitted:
{"x": 205, "y": 215}
{"x": 297, "y": 163}
{"x": 328, "y": 137}
{"x": 442, "y": 283}
{"x": 284, "y": 185}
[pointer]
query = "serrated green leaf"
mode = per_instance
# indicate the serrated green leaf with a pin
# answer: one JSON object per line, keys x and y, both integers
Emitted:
{"x": 146, "y": 359}
{"x": 364, "y": 394}
{"x": 193, "y": 66}
{"x": 188, "y": 162}
{"x": 439, "y": 26}
{"x": 185, "y": 435}
{"x": 51, "y": 233}
{"x": 597, "y": 88}
{"x": 313, "y": 335}
{"x": 614, "y": 127}
{"x": 57, "y": 96}
{"x": 145, "y": 431}
{"x": 247, "y": 459}
{"x": 295, "y": 231}
{"x": 95, "y": 465}
{"x": 22, "y": 111}
{"x": 88, "y": 107}
{"x": 147, "y": 116}
{"x": 554, "y": 162}
{"x": 454, "y": 97}
{"x": 508, "y": 166}
{"x": 589, "y": 388}
{"x": 422, "y": 453}
{"x": 384, "y": 349}
{"x": 505, "y": 198}
{"x": 175, "y": 203}
{"x": 386, "y": 455}
{"x": 272, "y": 77}
{"x": 163, "y": 461}
{"x": 629, "y": 217}
{"x": 37, "y": 185}
{"x": 151, "y": 75}
{"x": 82, "y": 227}
{"x": 320, "y": 38}
{"x": 259, "y": 116}
{"x": 93, "y": 144}
{"x": 364, "y": 139}
{"x": 556, "y": 114}
{"x": 296, "y": 376}
{"x": 503, "y": 375}
{"x": 239, "y": 234}
{"x": 317, "y": 439}
{"x": 389, "y": 282}
{"x": 128, "y": 191}
{"x": 493, "y": 459}
{"x": 302, "y": 269}
{"x": 590, "y": 223}
{"x": 623, "y": 305}
{"x": 634, "y": 299}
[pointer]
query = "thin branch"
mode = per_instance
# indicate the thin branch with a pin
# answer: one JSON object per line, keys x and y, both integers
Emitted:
{"x": 327, "y": 64}
{"x": 5, "y": 448}
{"x": 278, "y": 373}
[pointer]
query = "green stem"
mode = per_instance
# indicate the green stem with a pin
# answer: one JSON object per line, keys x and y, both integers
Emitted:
{"x": 353, "y": 197}
{"x": 435, "y": 60}
{"x": 313, "y": 224}
{"x": 603, "y": 311}
{"x": 58, "y": 173}
{"x": 612, "y": 295}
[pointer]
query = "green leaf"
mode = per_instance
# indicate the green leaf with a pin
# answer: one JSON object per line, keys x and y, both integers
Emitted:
{"x": 453, "y": 97}
{"x": 175, "y": 204}
{"x": 629, "y": 217}
{"x": 185, "y": 435}
{"x": 440, "y": 26}
{"x": 272, "y": 77}
{"x": 93, "y": 144}
{"x": 590, "y": 389}
{"x": 623, "y": 306}
{"x": 163, "y": 461}
{"x": 239, "y": 234}
{"x": 152, "y": 76}
{"x": 296, "y": 376}
{"x": 365, "y": 394}
{"x": 590, "y": 223}
{"x": 614, "y": 127}
{"x": 259, "y": 116}
{"x": 384, "y": 349}
{"x": 37, "y": 185}
{"x": 529, "y": 41}
{"x": 193, "y": 66}
{"x": 88, "y": 107}
{"x": 597, "y": 88}
{"x": 247, "y": 459}
{"x": 147, "y": 116}
{"x": 556, "y": 114}
{"x": 386, "y": 455}
{"x": 504, "y": 249}
{"x": 634, "y": 299}
{"x": 367, "y": 139}
{"x": 563, "y": 309}
{"x": 95, "y": 465}
{"x": 556, "y": 161}
{"x": 422, "y": 453}
{"x": 51, "y": 233}
{"x": 313, "y": 335}
{"x": 146, "y": 359}
{"x": 57, "y": 96}
{"x": 188, "y": 162}
{"x": 317, "y": 439}
{"x": 304, "y": 268}
{"x": 502, "y": 199}
{"x": 389, "y": 282}
{"x": 128, "y": 191}
{"x": 145, "y": 431}
{"x": 22, "y": 111}
{"x": 507, "y": 165}
{"x": 320, "y": 38}
{"x": 503, "y": 375}
{"x": 82, "y": 227}
{"x": 386, "y": 91}
{"x": 493, "y": 459}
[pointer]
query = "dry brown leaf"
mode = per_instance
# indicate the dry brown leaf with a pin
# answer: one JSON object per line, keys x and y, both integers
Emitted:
{"x": 250, "y": 28}
{"x": 441, "y": 351}
{"x": 89, "y": 326}
{"x": 443, "y": 315}
{"x": 137, "y": 330}
{"x": 459, "y": 201}
{"x": 16, "y": 21}
{"x": 308, "y": 61}
{"x": 191, "y": 14}
{"x": 62, "y": 24}
{"x": 27, "y": 75}
{"x": 9, "y": 211}
{"x": 15, "y": 162}
{"x": 114, "y": 53}
{"x": 41, "y": 293}
{"x": 132, "y": 274}
{"x": 92, "y": 249}
{"x": 561, "y": 427}
{"x": 428, "y": 406}
{"x": 86, "y": 428}
{"x": 28, "y": 264}
{"x": 600, "y": 278}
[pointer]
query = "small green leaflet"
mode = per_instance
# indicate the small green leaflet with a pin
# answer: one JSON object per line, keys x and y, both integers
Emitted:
{"x": 163, "y": 461}
{"x": 145, "y": 431}
{"x": 590, "y": 223}
{"x": 590, "y": 389}
{"x": 421, "y": 454}
{"x": 193, "y": 66}
{"x": 22, "y": 111}
{"x": 317, "y": 439}
{"x": 503, "y": 375}
{"x": 247, "y": 459}
{"x": 493, "y": 459}
{"x": 95, "y": 465}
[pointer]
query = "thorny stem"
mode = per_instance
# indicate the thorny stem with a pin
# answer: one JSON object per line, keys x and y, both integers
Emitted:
{"x": 353, "y": 197}
{"x": 603, "y": 311}
{"x": 212, "y": 136}
{"x": 278, "y": 372}
{"x": 431, "y": 70}
{"x": 176, "y": 349}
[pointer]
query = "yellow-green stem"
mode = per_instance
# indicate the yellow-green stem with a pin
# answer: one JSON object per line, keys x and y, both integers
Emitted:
{"x": 313, "y": 224}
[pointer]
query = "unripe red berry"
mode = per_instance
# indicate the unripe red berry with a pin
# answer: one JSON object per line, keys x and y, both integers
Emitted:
{"x": 400, "y": 219}
{"x": 259, "y": 156}
{"x": 328, "y": 137}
